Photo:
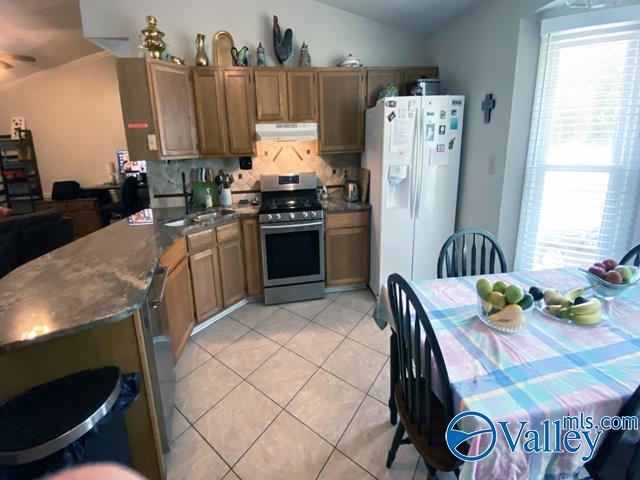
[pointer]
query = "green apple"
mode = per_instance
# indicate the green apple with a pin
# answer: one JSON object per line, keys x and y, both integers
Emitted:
{"x": 625, "y": 272}
{"x": 513, "y": 294}
{"x": 497, "y": 299}
{"x": 500, "y": 286}
{"x": 484, "y": 287}
{"x": 527, "y": 301}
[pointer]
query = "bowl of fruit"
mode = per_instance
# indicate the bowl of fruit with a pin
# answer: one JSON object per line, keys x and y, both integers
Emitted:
{"x": 574, "y": 307}
{"x": 501, "y": 306}
{"x": 609, "y": 279}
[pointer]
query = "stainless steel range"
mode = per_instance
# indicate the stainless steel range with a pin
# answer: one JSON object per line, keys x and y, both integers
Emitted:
{"x": 292, "y": 233}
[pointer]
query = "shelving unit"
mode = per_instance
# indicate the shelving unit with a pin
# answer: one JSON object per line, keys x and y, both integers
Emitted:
{"x": 20, "y": 188}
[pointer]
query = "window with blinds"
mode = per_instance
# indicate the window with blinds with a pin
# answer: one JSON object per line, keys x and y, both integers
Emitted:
{"x": 580, "y": 200}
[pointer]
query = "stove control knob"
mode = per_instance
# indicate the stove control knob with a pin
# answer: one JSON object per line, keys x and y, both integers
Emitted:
{"x": 269, "y": 217}
{"x": 305, "y": 214}
{"x": 292, "y": 215}
{"x": 278, "y": 216}
{"x": 313, "y": 214}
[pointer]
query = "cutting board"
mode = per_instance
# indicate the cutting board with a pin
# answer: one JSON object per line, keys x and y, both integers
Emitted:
{"x": 363, "y": 183}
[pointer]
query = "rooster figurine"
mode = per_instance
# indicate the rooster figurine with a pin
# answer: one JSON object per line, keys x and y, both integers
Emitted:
{"x": 282, "y": 46}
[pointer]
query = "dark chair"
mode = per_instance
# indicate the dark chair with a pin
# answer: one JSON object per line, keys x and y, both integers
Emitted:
{"x": 633, "y": 254}
{"x": 423, "y": 416}
{"x": 66, "y": 190}
{"x": 128, "y": 206}
{"x": 615, "y": 459}
{"x": 470, "y": 251}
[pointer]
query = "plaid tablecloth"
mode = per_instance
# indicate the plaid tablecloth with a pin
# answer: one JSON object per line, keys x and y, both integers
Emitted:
{"x": 545, "y": 371}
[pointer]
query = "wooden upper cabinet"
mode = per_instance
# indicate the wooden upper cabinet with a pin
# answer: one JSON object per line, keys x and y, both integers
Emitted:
{"x": 208, "y": 86}
{"x": 174, "y": 108}
{"x": 378, "y": 78}
{"x": 411, "y": 74}
{"x": 302, "y": 95}
{"x": 271, "y": 95}
{"x": 239, "y": 96}
{"x": 341, "y": 105}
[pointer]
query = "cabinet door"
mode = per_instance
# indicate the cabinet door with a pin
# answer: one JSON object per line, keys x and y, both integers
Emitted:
{"x": 174, "y": 108}
{"x": 271, "y": 95}
{"x": 208, "y": 86}
{"x": 341, "y": 101}
{"x": 240, "y": 101}
{"x": 378, "y": 78}
{"x": 205, "y": 276}
{"x": 302, "y": 96}
{"x": 179, "y": 304}
{"x": 414, "y": 73}
{"x": 231, "y": 272}
{"x": 252, "y": 256}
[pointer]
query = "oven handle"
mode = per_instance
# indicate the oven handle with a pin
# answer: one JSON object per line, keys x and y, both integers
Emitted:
{"x": 291, "y": 225}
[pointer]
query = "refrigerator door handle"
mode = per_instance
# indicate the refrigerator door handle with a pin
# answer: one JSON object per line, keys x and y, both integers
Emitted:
{"x": 418, "y": 164}
{"x": 419, "y": 190}
{"x": 413, "y": 168}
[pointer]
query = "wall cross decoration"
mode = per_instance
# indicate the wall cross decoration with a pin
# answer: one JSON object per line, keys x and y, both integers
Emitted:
{"x": 488, "y": 104}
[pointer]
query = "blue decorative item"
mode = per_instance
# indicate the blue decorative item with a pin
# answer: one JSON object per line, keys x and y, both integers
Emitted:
{"x": 240, "y": 57}
{"x": 282, "y": 45}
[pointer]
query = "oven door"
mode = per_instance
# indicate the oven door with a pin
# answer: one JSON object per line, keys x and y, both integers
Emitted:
{"x": 292, "y": 253}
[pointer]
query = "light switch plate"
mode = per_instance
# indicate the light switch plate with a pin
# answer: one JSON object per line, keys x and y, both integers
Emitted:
{"x": 492, "y": 165}
{"x": 151, "y": 140}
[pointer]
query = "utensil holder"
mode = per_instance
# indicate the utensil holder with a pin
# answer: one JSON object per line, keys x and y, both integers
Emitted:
{"x": 225, "y": 197}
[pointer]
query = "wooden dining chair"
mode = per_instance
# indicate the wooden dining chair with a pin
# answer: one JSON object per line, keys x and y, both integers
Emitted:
{"x": 424, "y": 417}
{"x": 632, "y": 256}
{"x": 470, "y": 251}
{"x": 617, "y": 459}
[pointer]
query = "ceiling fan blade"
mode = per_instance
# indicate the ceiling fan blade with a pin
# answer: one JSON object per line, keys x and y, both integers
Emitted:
{"x": 19, "y": 58}
{"x": 4, "y": 65}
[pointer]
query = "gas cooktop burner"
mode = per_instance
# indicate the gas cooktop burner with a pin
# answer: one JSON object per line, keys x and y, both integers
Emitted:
{"x": 275, "y": 203}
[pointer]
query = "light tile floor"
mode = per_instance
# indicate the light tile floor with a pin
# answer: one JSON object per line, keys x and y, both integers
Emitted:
{"x": 296, "y": 391}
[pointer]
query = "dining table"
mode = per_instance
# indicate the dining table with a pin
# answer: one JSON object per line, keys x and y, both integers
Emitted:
{"x": 545, "y": 371}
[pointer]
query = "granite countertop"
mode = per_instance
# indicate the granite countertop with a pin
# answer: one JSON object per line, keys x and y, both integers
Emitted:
{"x": 335, "y": 204}
{"x": 100, "y": 278}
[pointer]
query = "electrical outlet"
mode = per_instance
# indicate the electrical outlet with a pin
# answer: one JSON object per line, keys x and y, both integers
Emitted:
{"x": 492, "y": 165}
{"x": 151, "y": 140}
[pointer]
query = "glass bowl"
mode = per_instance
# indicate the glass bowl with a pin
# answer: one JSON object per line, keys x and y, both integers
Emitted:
{"x": 499, "y": 319}
{"x": 606, "y": 290}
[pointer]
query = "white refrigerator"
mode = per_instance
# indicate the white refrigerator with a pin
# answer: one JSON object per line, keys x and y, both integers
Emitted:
{"x": 413, "y": 152}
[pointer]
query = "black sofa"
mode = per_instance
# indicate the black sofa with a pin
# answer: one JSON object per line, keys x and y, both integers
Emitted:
{"x": 25, "y": 237}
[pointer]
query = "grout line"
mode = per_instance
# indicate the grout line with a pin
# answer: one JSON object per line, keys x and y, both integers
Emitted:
{"x": 283, "y": 409}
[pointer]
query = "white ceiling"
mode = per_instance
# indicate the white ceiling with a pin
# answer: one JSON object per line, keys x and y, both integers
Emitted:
{"x": 421, "y": 17}
{"x": 50, "y": 30}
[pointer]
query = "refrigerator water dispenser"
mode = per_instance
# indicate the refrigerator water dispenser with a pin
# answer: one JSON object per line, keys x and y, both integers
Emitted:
{"x": 399, "y": 191}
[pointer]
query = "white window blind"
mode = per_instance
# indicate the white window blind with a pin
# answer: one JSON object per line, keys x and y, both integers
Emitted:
{"x": 580, "y": 199}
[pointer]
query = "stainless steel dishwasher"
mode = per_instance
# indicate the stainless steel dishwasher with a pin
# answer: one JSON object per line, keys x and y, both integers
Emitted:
{"x": 155, "y": 325}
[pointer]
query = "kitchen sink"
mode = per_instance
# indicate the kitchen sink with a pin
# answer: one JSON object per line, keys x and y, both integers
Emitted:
{"x": 178, "y": 223}
{"x": 213, "y": 215}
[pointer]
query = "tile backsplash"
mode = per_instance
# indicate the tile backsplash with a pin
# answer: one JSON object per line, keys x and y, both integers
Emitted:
{"x": 272, "y": 158}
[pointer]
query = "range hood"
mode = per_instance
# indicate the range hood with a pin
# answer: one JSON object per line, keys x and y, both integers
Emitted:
{"x": 286, "y": 132}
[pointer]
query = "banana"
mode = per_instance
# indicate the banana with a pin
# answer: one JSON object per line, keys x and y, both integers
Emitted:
{"x": 593, "y": 305}
{"x": 576, "y": 292}
{"x": 587, "y": 318}
{"x": 554, "y": 309}
{"x": 552, "y": 297}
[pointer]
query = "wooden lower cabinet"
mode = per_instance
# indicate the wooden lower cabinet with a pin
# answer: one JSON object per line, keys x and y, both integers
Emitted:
{"x": 178, "y": 296}
{"x": 231, "y": 263}
{"x": 252, "y": 256}
{"x": 205, "y": 278}
{"x": 347, "y": 248}
{"x": 84, "y": 212}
